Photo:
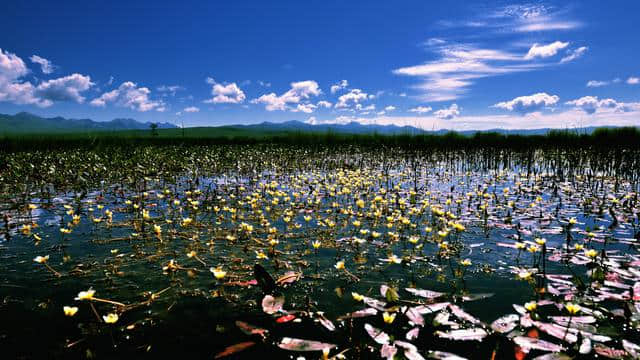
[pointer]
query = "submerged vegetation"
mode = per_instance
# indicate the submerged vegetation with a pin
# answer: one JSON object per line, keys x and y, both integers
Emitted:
{"x": 487, "y": 247}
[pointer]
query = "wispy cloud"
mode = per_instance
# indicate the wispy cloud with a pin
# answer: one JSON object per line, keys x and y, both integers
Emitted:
{"x": 450, "y": 76}
{"x": 597, "y": 83}
{"x": 574, "y": 54}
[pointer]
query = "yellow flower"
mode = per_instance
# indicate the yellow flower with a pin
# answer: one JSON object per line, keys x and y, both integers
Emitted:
{"x": 572, "y": 308}
{"x": 414, "y": 239}
{"x": 524, "y": 275}
{"x": 110, "y": 318}
{"x": 591, "y": 253}
{"x": 171, "y": 266}
{"x": 86, "y": 295}
{"x": 186, "y": 221}
{"x": 531, "y": 306}
{"x": 261, "y": 255}
{"x": 578, "y": 247}
{"x": 41, "y": 259}
{"x": 157, "y": 229}
{"x": 315, "y": 244}
{"x": 443, "y": 233}
{"x": 394, "y": 259}
{"x": 520, "y": 245}
{"x": 65, "y": 231}
{"x": 541, "y": 241}
{"x": 339, "y": 265}
{"x": 218, "y": 273}
{"x": 191, "y": 254}
{"x": 26, "y": 229}
{"x": 70, "y": 310}
{"x": 357, "y": 297}
{"x": 459, "y": 227}
{"x": 360, "y": 203}
{"x": 388, "y": 318}
{"x": 573, "y": 221}
{"x": 465, "y": 262}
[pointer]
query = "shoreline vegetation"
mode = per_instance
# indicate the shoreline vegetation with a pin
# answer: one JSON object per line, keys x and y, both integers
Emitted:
{"x": 622, "y": 137}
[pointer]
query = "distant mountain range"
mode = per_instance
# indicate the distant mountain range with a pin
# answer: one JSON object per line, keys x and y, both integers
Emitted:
{"x": 25, "y": 123}
{"x": 358, "y": 128}
{"x": 29, "y": 123}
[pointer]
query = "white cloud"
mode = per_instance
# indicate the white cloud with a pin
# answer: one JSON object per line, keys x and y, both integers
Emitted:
{"x": 264, "y": 83}
{"x": 421, "y": 109}
{"x": 390, "y": 108}
{"x": 12, "y": 68}
{"x": 12, "y": 89}
{"x": 305, "y": 108}
{"x": 325, "y": 104}
{"x": 191, "y": 109}
{"x": 340, "y": 85}
{"x": 447, "y": 113}
{"x": 299, "y": 91}
{"x": 371, "y": 107}
{"x": 226, "y": 94}
{"x": 170, "y": 89}
{"x": 129, "y": 95}
{"x": 66, "y": 88}
{"x": 633, "y": 81}
{"x": 574, "y": 54}
{"x": 45, "y": 65}
{"x": 353, "y": 97}
{"x": 528, "y": 104}
{"x": 596, "y": 83}
{"x": 544, "y": 51}
{"x": 591, "y": 105}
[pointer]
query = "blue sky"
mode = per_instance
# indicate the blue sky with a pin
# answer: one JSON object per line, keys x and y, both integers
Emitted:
{"x": 450, "y": 64}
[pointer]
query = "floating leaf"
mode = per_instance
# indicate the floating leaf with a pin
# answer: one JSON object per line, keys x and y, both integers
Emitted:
{"x": 360, "y": 313}
{"x": 463, "y": 315}
{"x": 609, "y": 352}
{"x": 425, "y": 293}
{"x": 285, "y": 318}
{"x": 376, "y": 334}
{"x": 506, "y": 323}
{"x": 443, "y": 355}
{"x": 303, "y": 345}
{"x": 537, "y": 344}
{"x": 289, "y": 277}
{"x": 463, "y": 334}
{"x": 230, "y": 350}
{"x": 250, "y": 329}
